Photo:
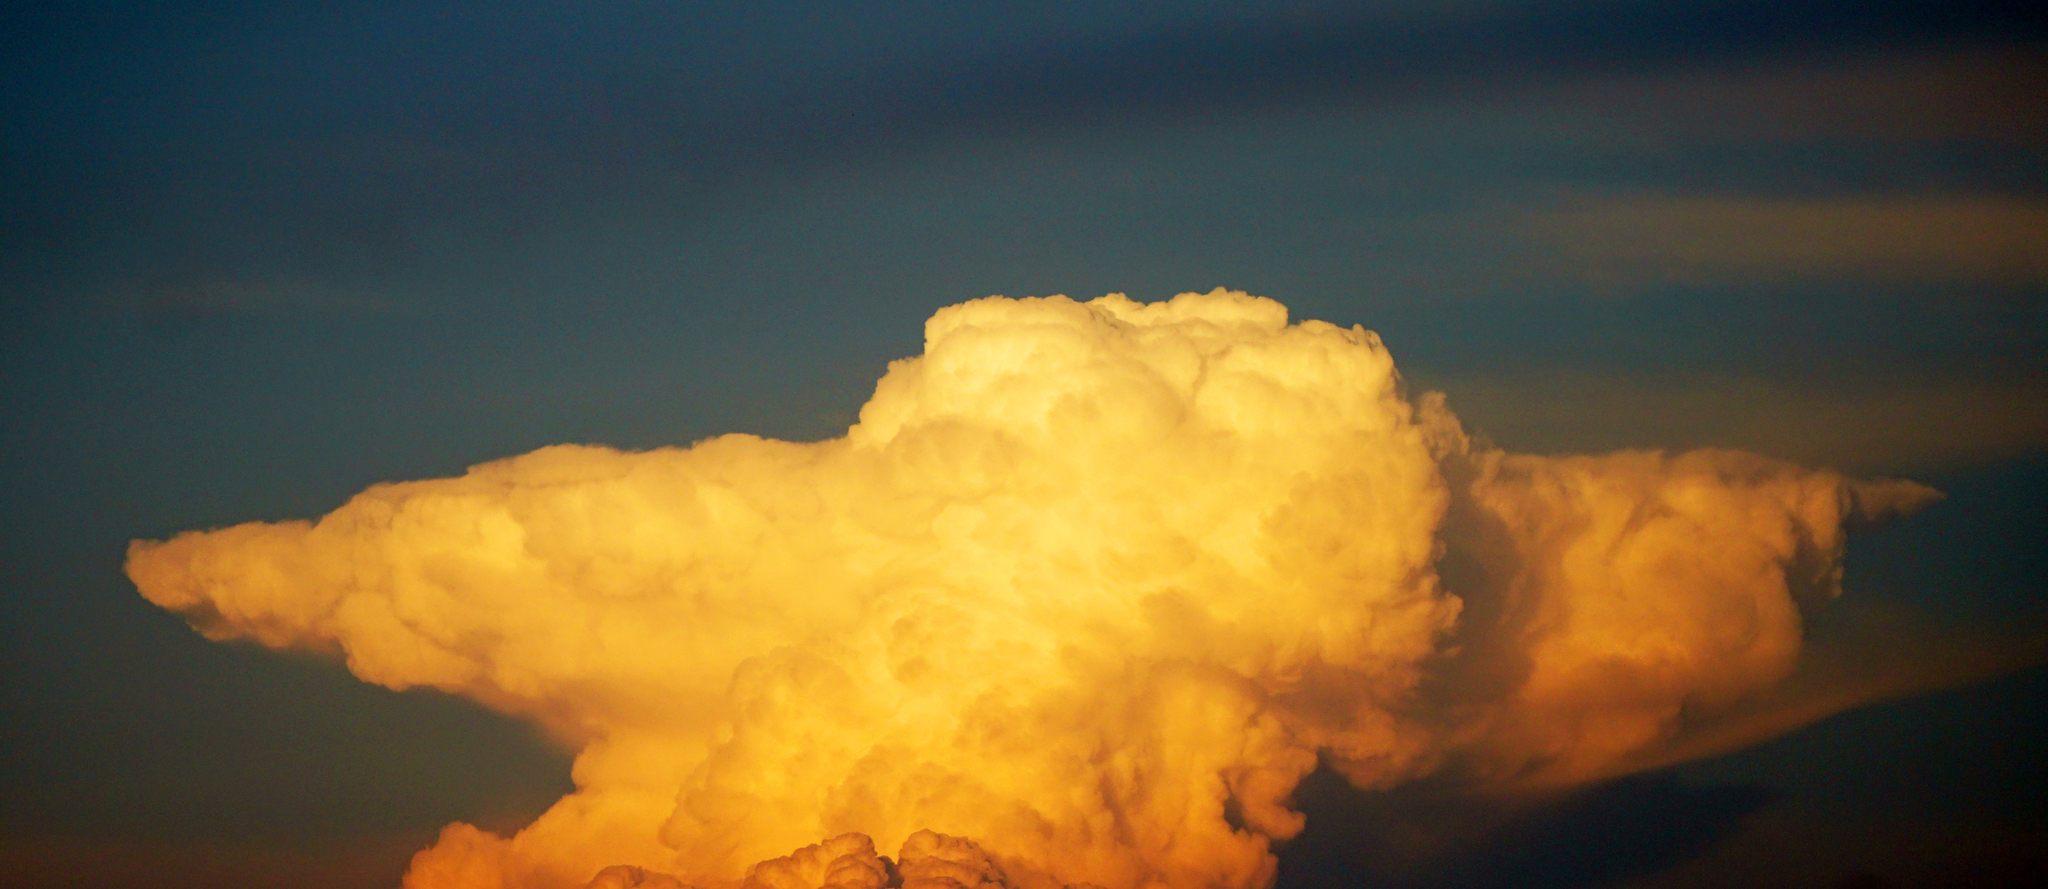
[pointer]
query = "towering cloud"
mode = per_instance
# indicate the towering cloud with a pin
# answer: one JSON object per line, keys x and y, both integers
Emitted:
{"x": 1084, "y": 594}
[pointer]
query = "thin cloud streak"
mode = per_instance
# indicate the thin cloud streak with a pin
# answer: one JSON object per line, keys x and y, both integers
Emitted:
{"x": 1652, "y": 240}
{"x": 1365, "y": 61}
{"x": 1871, "y": 427}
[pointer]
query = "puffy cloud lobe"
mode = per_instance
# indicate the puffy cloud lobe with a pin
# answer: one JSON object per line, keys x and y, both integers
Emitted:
{"x": 1613, "y": 593}
{"x": 844, "y": 862}
{"x": 1092, "y": 584}
{"x": 626, "y": 876}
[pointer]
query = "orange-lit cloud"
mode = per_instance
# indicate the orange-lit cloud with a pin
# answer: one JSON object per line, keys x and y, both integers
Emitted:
{"x": 1084, "y": 594}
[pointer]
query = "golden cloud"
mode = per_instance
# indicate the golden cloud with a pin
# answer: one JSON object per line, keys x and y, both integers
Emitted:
{"x": 1080, "y": 599}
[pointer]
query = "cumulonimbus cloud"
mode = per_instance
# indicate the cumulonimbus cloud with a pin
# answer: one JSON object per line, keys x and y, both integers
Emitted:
{"x": 1082, "y": 596}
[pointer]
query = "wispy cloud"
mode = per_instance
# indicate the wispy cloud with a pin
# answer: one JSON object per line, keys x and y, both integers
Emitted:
{"x": 1873, "y": 654}
{"x": 1652, "y": 239}
{"x": 177, "y": 300}
{"x": 1868, "y": 428}
{"x": 1984, "y": 93}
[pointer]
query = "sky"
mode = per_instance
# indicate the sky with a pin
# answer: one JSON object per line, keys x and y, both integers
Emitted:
{"x": 259, "y": 257}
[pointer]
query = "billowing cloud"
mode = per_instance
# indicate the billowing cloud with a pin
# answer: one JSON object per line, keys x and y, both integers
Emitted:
{"x": 1081, "y": 597}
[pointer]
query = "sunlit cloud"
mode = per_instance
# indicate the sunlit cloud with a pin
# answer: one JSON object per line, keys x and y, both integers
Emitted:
{"x": 1084, "y": 594}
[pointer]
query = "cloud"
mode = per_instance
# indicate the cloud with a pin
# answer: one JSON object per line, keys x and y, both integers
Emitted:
{"x": 1906, "y": 427}
{"x": 182, "y": 300}
{"x": 1388, "y": 54}
{"x": 1653, "y": 239}
{"x": 1884, "y": 654}
{"x": 1954, "y": 94}
{"x": 1083, "y": 595}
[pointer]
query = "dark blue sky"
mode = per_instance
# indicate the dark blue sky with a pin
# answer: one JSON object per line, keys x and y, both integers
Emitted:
{"x": 256, "y": 257}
